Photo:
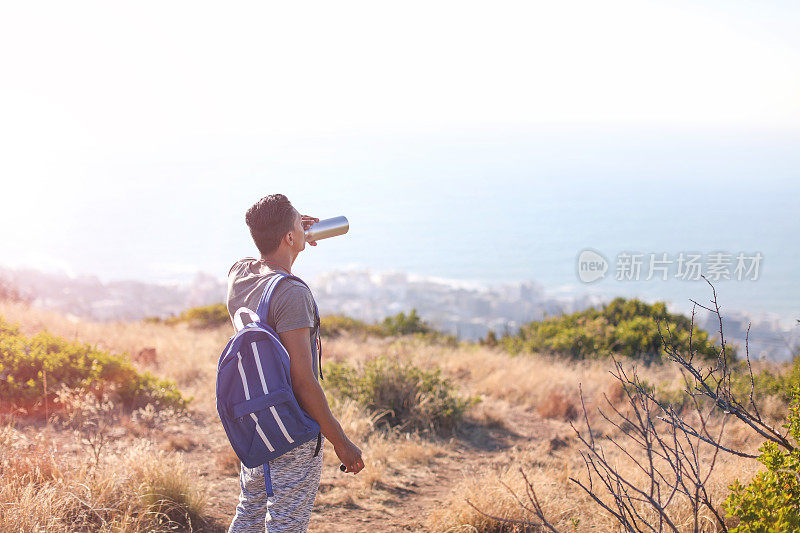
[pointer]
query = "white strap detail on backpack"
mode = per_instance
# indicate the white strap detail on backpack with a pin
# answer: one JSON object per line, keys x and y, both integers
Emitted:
{"x": 238, "y": 323}
{"x": 252, "y": 415}
{"x": 274, "y": 412}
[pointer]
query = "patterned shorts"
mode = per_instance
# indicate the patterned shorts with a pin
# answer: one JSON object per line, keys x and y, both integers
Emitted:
{"x": 295, "y": 480}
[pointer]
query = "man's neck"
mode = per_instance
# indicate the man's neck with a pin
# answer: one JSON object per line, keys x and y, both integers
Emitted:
{"x": 278, "y": 261}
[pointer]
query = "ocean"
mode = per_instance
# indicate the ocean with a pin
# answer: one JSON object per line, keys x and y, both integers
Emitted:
{"x": 486, "y": 205}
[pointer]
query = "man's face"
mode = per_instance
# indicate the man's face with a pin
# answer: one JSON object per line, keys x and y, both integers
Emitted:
{"x": 299, "y": 233}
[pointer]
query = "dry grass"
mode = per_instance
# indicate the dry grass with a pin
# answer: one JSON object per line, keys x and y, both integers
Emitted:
{"x": 179, "y": 444}
{"x": 141, "y": 489}
{"x": 549, "y": 388}
{"x": 51, "y": 492}
{"x": 189, "y": 356}
{"x": 558, "y": 404}
{"x": 390, "y": 458}
{"x": 549, "y": 468}
{"x": 545, "y": 385}
{"x": 227, "y": 461}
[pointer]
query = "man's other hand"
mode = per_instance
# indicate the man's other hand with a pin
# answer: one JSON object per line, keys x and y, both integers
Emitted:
{"x": 350, "y": 456}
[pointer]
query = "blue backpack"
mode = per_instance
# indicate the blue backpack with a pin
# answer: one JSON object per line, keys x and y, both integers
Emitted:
{"x": 255, "y": 401}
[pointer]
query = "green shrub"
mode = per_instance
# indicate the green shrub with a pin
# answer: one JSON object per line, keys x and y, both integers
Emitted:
{"x": 771, "y": 501}
{"x": 622, "y": 328}
{"x": 401, "y": 395}
{"x": 24, "y": 361}
{"x": 412, "y": 324}
{"x": 211, "y": 316}
{"x": 402, "y": 324}
{"x": 336, "y": 325}
{"x": 203, "y": 317}
{"x": 397, "y": 325}
{"x": 207, "y": 316}
{"x": 767, "y": 383}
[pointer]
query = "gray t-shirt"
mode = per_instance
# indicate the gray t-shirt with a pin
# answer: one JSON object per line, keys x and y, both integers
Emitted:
{"x": 292, "y": 305}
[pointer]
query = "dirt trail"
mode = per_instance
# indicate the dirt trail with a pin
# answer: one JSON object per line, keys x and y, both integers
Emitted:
{"x": 421, "y": 491}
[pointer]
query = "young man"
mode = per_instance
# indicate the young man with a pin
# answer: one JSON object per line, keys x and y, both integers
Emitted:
{"x": 278, "y": 231}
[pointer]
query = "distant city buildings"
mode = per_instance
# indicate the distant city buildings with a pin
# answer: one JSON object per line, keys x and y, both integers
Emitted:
{"x": 464, "y": 309}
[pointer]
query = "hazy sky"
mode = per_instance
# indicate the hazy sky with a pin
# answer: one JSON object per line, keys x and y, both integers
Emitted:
{"x": 125, "y": 129}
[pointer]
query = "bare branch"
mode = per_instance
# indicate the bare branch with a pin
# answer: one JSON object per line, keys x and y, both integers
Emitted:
{"x": 534, "y": 508}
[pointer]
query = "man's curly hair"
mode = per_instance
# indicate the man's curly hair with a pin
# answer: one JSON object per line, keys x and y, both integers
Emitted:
{"x": 269, "y": 220}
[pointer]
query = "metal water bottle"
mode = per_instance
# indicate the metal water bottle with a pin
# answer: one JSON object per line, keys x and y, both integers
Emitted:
{"x": 330, "y": 227}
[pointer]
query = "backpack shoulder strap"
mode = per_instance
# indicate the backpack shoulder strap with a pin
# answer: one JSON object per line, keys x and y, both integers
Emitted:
{"x": 263, "y": 309}
{"x": 266, "y": 296}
